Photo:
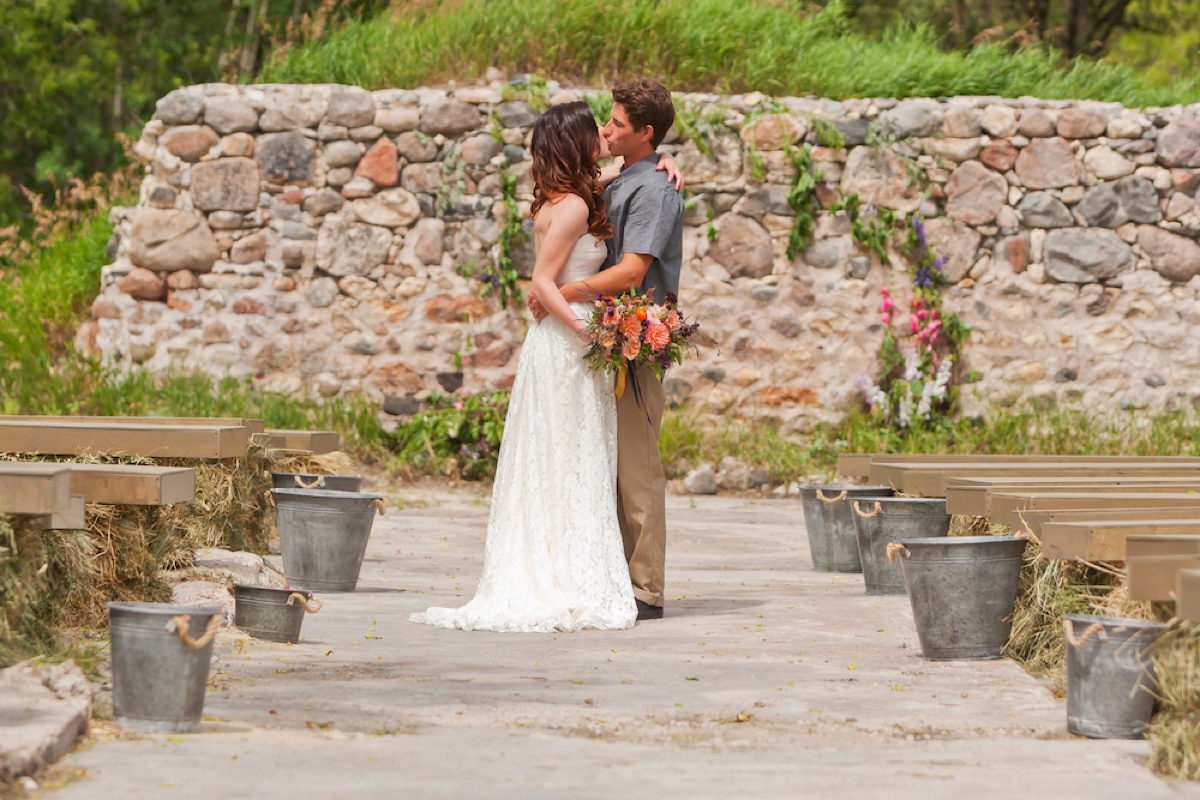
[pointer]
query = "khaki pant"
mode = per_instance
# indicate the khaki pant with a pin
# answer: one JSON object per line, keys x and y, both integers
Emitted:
{"x": 642, "y": 486}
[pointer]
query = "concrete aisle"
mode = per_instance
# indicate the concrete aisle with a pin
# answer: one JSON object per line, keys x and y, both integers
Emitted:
{"x": 765, "y": 679}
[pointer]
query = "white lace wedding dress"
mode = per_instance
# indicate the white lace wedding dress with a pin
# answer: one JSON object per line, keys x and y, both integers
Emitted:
{"x": 554, "y": 559}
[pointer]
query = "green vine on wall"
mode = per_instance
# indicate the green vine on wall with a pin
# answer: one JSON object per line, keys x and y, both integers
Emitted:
{"x": 872, "y": 227}
{"x": 802, "y": 199}
{"x": 499, "y": 277}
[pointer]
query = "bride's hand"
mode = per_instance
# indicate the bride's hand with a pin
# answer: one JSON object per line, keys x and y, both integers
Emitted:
{"x": 666, "y": 163}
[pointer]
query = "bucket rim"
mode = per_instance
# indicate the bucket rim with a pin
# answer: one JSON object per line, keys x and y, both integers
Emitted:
{"x": 919, "y": 500}
{"x": 937, "y": 541}
{"x": 310, "y": 475}
{"x": 165, "y": 609}
{"x": 1117, "y": 622}
{"x": 845, "y": 487}
{"x": 257, "y": 587}
{"x": 325, "y": 494}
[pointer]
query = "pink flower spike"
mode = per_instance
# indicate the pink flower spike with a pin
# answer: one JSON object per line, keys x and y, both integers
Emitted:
{"x": 458, "y": 405}
{"x": 883, "y": 290}
{"x": 914, "y": 323}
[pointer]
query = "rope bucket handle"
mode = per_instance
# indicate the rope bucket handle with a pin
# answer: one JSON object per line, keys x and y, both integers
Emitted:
{"x": 842, "y": 496}
{"x": 317, "y": 484}
{"x": 380, "y": 505}
{"x": 878, "y": 510}
{"x": 1028, "y": 536}
{"x": 311, "y": 605}
{"x": 1095, "y": 628}
{"x": 270, "y": 498}
{"x": 181, "y": 623}
{"x": 895, "y": 549}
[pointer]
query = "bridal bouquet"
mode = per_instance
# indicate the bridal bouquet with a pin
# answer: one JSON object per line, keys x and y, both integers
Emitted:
{"x": 633, "y": 329}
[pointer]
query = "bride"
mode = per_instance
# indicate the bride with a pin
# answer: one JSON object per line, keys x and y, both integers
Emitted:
{"x": 554, "y": 559}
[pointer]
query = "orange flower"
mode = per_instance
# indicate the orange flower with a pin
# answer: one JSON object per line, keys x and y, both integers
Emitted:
{"x": 657, "y": 336}
{"x": 672, "y": 321}
{"x": 611, "y": 316}
{"x": 631, "y": 328}
{"x": 640, "y": 313}
{"x": 631, "y": 349}
{"x": 607, "y": 340}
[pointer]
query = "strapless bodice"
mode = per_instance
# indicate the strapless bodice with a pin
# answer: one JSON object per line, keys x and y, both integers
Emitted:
{"x": 585, "y": 260}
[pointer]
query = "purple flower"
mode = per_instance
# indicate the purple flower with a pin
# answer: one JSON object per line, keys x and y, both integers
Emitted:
{"x": 919, "y": 228}
{"x": 939, "y": 263}
{"x": 527, "y": 225}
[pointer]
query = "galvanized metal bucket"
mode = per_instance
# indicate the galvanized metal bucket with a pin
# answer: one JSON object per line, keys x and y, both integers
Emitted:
{"x": 266, "y": 612}
{"x": 963, "y": 590}
{"x": 1110, "y": 678}
{"x": 323, "y": 536}
{"x": 829, "y": 521}
{"x": 305, "y": 480}
{"x": 878, "y": 521}
{"x": 160, "y": 658}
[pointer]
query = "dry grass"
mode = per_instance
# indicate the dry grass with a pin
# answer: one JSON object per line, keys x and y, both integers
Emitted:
{"x": 1051, "y": 588}
{"x": 1175, "y": 732}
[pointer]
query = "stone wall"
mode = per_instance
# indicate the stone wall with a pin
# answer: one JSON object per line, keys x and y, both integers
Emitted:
{"x": 319, "y": 239}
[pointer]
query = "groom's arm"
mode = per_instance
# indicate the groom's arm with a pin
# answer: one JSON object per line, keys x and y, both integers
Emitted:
{"x": 616, "y": 280}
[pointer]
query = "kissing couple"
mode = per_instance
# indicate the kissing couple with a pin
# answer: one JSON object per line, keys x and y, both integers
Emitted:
{"x": 577, "y": 531}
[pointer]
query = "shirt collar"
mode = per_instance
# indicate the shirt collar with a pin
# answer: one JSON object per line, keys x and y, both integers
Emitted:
{"x": 649, "y": 162}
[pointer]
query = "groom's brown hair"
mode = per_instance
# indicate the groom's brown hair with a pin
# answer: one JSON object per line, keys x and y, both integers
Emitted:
{"x": 647, "y": 102}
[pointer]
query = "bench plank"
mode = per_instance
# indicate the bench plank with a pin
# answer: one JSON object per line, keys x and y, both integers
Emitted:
{"x": 1004, "y": 504}
{"x": 129, "y": 484}
{"x": 1187, "y": 594}
{"x": 71, "y": 517}
{"x": 858, "y": 465}
{"x": 255, "y": 425}
{"x": 931, "y": 480}
{"x": 1153, "y": 577}
{"x": 1032, "y": 520}
{"x": 63, "y": 437}
{"x": 1105, "y": 540}
{"x": 315, "y": 442}
{"x": 977, "y": 500}
{"x": 34, "y": 488}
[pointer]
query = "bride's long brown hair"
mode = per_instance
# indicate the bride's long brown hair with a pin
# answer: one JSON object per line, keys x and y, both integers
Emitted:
{"x": 565, "y": 148}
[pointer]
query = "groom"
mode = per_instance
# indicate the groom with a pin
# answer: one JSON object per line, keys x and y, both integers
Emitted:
{"x": 646, "y": 251}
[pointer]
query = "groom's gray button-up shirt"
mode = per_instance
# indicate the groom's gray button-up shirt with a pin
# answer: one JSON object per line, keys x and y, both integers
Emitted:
{"x": 646, "y": 212}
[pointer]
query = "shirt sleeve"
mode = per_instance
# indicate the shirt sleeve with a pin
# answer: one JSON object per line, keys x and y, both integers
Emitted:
{"x": 649, "y": 221}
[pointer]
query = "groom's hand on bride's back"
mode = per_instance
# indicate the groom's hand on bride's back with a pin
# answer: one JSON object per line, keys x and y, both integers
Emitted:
{"x": 536, "y": 309}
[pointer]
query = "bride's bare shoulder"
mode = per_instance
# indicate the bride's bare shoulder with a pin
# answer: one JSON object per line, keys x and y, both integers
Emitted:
{"x": 569, "y": 209}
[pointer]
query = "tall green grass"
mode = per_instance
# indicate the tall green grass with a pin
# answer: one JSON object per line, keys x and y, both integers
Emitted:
{"x": 688, "y": 438}
{"x": 729, "y": 45}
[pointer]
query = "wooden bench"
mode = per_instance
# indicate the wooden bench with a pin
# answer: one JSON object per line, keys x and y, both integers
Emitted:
{"x": 63, "y": 436}
{"x": 1105, "y": 540}
{"x": 972, "y": 496}
{"x": 133, "y": 484}
{"x": 41, "y": 491}
{"x": 1004, "y": 504}
{"x": 1187, "y": 594}
{"x": 314, "y": 442}
{"x": 931, "y": 480}
{"x": 858, "y": 465}
{"x": 1033, "y": 521}
{"x": 255, "y": 425}
{"x": 1153, "y": 562}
